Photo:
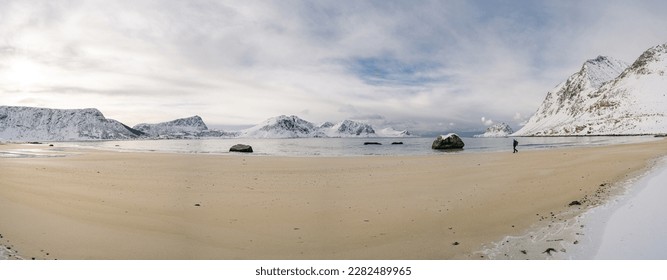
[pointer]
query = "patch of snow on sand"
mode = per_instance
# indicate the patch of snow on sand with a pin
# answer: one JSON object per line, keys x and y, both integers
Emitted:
{"x": 635, "y": 227}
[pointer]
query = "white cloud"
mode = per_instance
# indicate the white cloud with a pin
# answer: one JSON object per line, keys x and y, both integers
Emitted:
{"x": 519, "y": 119}
{"x": 487, "y": 122}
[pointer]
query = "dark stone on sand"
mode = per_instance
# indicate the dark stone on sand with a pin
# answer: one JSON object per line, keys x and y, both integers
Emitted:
{"x": 456, "y": 243}
{"x": 35, "y": 143}
{"x": 197, "y": 204}
{"x": 50, "y": 145}
{"x": 372, "y": 143}
{"x": 573, "y": 203}
{"x": 548, "y": 251}
{"x": 524, "y": 252}
{"x": 446, "y": 142}
{"x": 241, "y": 148}
{"x": 397, "y": 143}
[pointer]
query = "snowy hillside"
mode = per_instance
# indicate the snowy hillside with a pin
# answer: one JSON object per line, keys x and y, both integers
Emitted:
{"x": 594, "y": 101}
{"x": 282, "y": 127}
{"x": 192, "y": 126}
{"x": 497, "y": 130}
{"x": 42, "y": 124}
{"x": 348, "y": 128}
{"x": 390, "y": 132}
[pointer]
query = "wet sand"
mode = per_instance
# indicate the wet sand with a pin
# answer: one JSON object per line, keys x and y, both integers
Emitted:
{"x": 110, "y": 205}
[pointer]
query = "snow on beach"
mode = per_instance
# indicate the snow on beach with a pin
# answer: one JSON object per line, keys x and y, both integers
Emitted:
{"x": 634, "y": 225}
{"x": 629, "y": 225}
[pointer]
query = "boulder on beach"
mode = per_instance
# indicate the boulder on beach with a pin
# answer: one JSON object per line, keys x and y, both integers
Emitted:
{"x": 449, "y": 141}
{"x": 242, "y": 148}
{"x": 372, "y": 143}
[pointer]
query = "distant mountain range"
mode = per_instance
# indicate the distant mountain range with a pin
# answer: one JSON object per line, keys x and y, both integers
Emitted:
{"x": 496, "y": 130}
{"x": 607, "y": 97}
{"x": 42, "y": 124}
{"x": 295, "y": 127}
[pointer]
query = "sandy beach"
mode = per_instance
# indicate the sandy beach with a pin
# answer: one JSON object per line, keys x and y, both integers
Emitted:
{"x": 93, "y": 204}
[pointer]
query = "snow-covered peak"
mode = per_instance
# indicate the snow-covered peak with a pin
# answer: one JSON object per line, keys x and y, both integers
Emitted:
{"x": 391, "y": 132}
{"x": 326, "y": 125}
{"x": 194, "y": 121}
{"x": 497, "y": 130}
{"x": 350, "y": 128}
{"x": 601, "y": 69}
{"x": 634, "y": 102}
{"x": 36, "y": 124}
{"x": 190, "y": 126}
{"x": 653, "y": 60}
{"x": 282, "y": 127}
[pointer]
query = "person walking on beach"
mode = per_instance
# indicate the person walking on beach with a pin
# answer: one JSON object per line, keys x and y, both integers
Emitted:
{"x": 516, "y": 143}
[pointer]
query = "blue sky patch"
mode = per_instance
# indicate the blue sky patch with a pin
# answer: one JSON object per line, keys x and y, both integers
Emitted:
{"x": 387, "y": 70}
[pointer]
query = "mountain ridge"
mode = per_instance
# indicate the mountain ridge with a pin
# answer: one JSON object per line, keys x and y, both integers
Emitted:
{"x": 632, "y": 103}
{"x": 37, "y": 124}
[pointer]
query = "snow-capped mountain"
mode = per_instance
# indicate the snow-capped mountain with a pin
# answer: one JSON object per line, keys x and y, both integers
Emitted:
{"x": 38, "y": 124}
{"x": 568, "y": 100}
{"x": 295, "y": 127}
{"x": 391, "y": 132}
{"x": 43, "y": 124}
{"x": 283, "y": 127}
{"x": 192, "y": 126}
{"x": 326, "y": 125}
{"x": 605, "y": 98}
{"x": 497, "y": 130}
{"x": 348, "y": 128}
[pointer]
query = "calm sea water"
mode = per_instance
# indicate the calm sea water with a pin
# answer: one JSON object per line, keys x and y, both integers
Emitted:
{"x": 350, "y": 146}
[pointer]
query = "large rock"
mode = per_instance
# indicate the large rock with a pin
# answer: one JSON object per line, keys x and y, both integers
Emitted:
{"x": 449, "y": 141}
{"x": 241, "y": 148}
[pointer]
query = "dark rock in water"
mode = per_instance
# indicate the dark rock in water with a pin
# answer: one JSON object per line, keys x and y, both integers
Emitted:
{"x": 372, "y": 143}
{"x": 50, "y": 145}
{"x": 397, "y": 143}
{"x": 573, "y": 203}
{"x": 449, "y": 141}
{"x": 35, "y": 143}
{"x": 660, "y": 135}
{"x": 241, "y": 148}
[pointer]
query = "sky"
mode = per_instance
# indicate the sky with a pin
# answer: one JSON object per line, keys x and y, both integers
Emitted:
{"x": 442, "y": 66}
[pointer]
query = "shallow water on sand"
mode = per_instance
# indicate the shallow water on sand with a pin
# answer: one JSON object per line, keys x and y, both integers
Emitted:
{"x": 350, "y": 146}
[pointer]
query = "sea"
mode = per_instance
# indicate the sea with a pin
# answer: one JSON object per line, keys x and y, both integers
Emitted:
{"x": 334, "y": 147}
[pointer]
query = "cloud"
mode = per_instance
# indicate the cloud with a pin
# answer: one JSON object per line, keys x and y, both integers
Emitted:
{"x": 520, "y": 119}
{"x": 237, "y": 63}
{"x": 487, "y": 122}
